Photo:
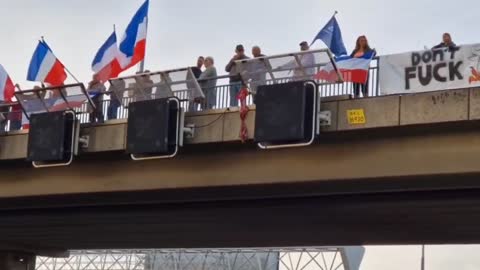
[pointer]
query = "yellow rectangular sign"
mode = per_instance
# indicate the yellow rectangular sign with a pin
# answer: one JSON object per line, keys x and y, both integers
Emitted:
{"x": 356, "y": 117}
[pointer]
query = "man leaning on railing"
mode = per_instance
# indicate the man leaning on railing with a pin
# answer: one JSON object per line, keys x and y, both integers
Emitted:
{"x": 235, "y": 79}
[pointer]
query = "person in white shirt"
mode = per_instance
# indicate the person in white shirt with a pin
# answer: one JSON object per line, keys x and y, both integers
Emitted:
{"x": 307, "y": 60}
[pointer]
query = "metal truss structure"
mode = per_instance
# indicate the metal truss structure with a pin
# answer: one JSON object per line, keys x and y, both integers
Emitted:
{"x": 334, "y": 258}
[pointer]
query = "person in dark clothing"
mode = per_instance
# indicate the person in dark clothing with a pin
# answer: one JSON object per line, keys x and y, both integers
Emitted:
{"x": 191, "y": 84}
{"x": 235, "y": 78}
{"x": 96, "y": 89}
{"x": 446, "y": 43}
{"x": 4, "y": 109}
{"x": 197, "y": 71}
{"x": 362, "y": 48}
{"x": 112, "y": 110}
{"x": 16, "y": 116}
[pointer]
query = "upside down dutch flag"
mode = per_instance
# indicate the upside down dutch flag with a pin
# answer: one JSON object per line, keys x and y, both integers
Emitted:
{"x": 73, "y": 102}
{"x": 106, "y": 64}
{"x": 7, "y": 88}
{"x": 134, "y": 41}
{"x": 352, "y": 69}
{"x": 45, "y": 67}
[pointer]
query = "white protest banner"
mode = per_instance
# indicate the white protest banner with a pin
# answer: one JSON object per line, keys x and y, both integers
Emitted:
{"x": 430, "y": 70}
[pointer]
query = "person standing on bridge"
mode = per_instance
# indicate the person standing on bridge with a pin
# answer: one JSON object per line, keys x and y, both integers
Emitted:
{"x": 447, "y": 42}
{"x": 96, "y": 89}
{"x": 307, "y": 60}
{"x": 208, "y": 82}
{"x": 235, "y": 77}
{"x": 362, "y": 48}
{"x": 258, "y": 71}
{"x": 4, "y": 109}
{"x": 117, "y": 86}
{"x": 305, "y": 68}
{"x": 191, "y": 84}
{"x": 197, "y": 70}
{"x": 144, "y": 85}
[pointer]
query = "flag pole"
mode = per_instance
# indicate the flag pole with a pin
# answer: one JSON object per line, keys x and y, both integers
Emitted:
{"x": 141, "y": 67}
{"x": 334, "y": 14}
{"x": 66, "y": 69}
{"x": 73, "y": 76}
{"x": 422, "y": 266}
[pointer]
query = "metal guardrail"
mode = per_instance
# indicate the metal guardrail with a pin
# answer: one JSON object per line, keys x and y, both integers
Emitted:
{"x": 8, "y": 112}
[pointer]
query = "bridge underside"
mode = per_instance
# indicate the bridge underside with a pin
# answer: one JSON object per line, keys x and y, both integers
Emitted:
{"x": 349, "y": 189}
{"x": 433, "y": 217}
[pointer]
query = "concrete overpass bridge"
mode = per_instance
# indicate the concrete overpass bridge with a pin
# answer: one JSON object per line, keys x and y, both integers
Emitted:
{"x": 408, "y": 175}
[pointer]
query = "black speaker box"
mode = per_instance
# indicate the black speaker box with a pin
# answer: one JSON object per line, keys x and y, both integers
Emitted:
{"x": 152, "y": 127}
{"x": 50, "y": 137}
{"x": 284, "y": 112}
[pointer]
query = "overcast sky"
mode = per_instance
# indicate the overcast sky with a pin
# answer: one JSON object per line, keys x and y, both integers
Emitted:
{"x": 180, "y": 30}
{"x": 408, "y": 258}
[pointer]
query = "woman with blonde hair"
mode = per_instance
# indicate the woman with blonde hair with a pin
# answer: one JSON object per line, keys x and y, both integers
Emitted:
{"x": 362, "y": 48}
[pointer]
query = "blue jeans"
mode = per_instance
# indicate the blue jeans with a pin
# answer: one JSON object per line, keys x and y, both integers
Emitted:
{"x": 16, "y": 124}
{"x": 112, "y": 111}
{"x": 235, "y": 88}
{"x": 210, "y": 99}
{"x": 97, "y": 116}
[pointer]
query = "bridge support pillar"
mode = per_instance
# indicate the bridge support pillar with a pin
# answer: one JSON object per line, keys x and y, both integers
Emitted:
{"x": 17, "y": 261}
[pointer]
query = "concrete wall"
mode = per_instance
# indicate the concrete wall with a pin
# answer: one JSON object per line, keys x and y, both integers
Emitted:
{"x": 474, "y": 104}
{"x": 218, "y": 126}
{"x": 110, "y": 137}
{"x": 332, "y": 107}
{"x": 14, "y": 146}
{"x": 211, "y": 126}
{"x": 379, "y": 112}
{"x": 353, "y": 159}
{"x": 435, "y": 107}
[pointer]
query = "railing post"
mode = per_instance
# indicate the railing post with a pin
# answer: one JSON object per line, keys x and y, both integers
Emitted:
{"x": 377, "y": 86}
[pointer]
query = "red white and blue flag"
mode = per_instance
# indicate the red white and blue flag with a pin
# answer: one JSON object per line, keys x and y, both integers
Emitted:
{"x": 45, "y": 67}
{"x": 7, "y": 88}
{"x": 106, "y": 64}
{"x": 134, "y": 41}
{"x": 352, "y": 69}
{"x": 73, "y": 102}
